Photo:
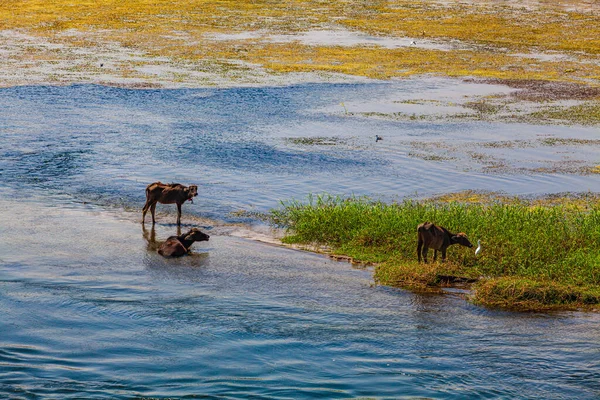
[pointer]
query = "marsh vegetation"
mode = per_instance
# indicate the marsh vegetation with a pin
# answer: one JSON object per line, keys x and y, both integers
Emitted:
{"x": 549, "y": 52}
{"x": 537, "y": 253}
{"x": 484, "y": 39}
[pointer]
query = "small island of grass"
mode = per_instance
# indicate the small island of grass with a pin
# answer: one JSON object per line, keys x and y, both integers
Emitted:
{"x": 538, "y": 254}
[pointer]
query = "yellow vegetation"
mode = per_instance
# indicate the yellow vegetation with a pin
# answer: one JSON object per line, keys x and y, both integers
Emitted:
{"x": 487, "y": 34}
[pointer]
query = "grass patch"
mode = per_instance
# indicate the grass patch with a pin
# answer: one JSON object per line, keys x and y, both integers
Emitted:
{"x": 583, "y": 114}
{"x": 553, "y": 243}
{"x": 432, "y": 276}
{"x": 499, "y": 109}
{"x": 430, "y": 157}
{"x": 526, "y": 294}
{"x": 316, "y": 141}
{"x": 484, "y": 107}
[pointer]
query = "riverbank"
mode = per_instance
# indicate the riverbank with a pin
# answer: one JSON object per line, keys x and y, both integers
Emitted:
{"x": 537, "y": 254}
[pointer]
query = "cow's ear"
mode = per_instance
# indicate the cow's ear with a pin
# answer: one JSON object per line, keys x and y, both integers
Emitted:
{"x": 454, "y": 238}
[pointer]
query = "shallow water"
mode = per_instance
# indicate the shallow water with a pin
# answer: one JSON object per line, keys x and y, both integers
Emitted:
{"x": 104, "y": 145}
{"x": 89, "y": 310}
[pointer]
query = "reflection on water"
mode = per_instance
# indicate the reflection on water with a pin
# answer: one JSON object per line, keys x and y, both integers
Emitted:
{"x": 90, "y": 310}
{"x": 150, "y": 237}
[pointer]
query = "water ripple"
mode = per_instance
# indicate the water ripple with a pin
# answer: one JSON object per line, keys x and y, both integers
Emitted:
{"x": 90, "y": 310}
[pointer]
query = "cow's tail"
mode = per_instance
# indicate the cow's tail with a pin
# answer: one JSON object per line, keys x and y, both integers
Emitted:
{"x": 419, "y": 243}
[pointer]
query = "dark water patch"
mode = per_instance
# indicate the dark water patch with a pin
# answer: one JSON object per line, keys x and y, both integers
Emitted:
{"x": 49, "y": 169}
{"x": 255, "y": 157}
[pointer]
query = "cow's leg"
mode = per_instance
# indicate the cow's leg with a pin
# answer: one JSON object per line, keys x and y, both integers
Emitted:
{"x": 443, "y": 255}
{"x": 434, "y": 255}
{"x": 145, "y": 210}
{"x": 419, "y": 248}
{"x": 425, "y": 249}
{"x": 178, "y": 214}
{"x": 152, "y": 210}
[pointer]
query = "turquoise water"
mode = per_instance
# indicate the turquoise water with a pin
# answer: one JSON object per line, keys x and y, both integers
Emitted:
{"x": 89, "y": 310}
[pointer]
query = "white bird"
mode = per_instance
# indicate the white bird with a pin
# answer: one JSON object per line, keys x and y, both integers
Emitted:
{"x": 478, "y": 249}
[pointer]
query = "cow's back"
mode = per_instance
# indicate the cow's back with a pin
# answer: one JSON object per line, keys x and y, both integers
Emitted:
{"x": 172, "y": 247}
{"x": 155, "y": 189}
{"x": 431, "y": 235}
{"x": 165, "y": 193}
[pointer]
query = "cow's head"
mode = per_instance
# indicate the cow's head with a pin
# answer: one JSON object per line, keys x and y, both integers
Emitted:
{"x": 461, "y": 238}
{"x": 196, "y": 235}
{"x": 192, "y": 191}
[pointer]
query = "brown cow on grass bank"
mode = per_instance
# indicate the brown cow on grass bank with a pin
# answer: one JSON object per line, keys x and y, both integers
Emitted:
{"x": 167, "y": 193}
{"x": 176, "y": 246}
{"x": 438, "y": 238}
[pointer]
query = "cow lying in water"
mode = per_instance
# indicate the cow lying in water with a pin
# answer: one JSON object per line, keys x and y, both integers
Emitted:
{"x": 438, "y": 238}
{"x": 176, "y": 246}
{"x": 158, "y": 192}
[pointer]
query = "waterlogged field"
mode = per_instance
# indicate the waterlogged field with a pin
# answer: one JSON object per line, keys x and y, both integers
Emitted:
{"x": 258, "y": 103}
{"x": 512, "y": 40}
{"x": 549, "y": 48}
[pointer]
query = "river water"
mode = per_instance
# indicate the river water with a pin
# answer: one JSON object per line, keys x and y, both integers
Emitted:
{"x": 90, "y": 310}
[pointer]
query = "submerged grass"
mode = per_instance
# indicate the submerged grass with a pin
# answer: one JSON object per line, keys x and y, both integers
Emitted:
{"x": 586, "y": 114}
{"x": 548, "y": 250}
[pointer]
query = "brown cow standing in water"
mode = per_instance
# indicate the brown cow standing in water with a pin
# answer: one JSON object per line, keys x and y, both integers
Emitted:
{"x": 176, "y": 246}
{"x": 158, "y": 192}
{"x": 438, "y": 238}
